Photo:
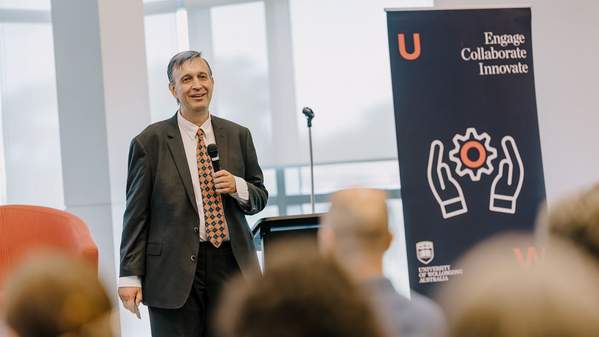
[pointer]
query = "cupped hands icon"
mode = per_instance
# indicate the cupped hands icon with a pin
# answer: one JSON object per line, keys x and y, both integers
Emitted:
{"x": 445, "y": 188}
{"x": 505, "y": 188}
{"x": 509, "y": 179}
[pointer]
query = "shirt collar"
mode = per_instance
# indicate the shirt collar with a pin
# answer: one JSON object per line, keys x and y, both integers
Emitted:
{"x": 191, "y": 129}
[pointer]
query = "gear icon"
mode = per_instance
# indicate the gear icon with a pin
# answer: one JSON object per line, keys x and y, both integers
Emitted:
{"x": 473, "y": 154}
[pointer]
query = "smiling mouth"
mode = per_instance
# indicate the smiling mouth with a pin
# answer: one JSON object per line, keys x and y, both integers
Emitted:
{"x": 198, "y": 96}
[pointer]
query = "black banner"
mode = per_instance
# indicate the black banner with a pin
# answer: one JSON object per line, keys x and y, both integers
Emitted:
{"x": 467, "y": 133}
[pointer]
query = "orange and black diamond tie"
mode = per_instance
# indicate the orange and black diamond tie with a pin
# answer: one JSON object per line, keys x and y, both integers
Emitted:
{"x": 216, "y": 225}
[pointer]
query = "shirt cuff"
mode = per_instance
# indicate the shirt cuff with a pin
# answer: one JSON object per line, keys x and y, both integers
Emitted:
{"x": 242, "y": 195}
{"x": 129, "y": 281}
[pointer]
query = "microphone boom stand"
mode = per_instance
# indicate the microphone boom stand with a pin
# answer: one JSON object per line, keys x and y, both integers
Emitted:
{"x": 309, "y": 116}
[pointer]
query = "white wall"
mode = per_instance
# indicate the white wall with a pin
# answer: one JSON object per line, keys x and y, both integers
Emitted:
{"x": 566, "y": 49}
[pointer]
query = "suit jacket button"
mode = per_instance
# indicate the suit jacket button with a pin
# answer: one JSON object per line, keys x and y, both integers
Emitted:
{"x": 193, "y": 258}
{"x": 196, "y": 229}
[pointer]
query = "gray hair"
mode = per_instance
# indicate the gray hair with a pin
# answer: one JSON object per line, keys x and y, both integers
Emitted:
{"x": 182, "y": 57}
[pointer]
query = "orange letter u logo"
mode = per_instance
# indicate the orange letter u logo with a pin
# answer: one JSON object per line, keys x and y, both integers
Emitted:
{"x": 402, "y": 47}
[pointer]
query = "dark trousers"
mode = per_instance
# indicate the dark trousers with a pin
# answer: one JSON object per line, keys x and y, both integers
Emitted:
{"x": 215, "y": 266}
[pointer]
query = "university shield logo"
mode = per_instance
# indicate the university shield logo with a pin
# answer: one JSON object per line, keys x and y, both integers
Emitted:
{"x": 425, "y": 251}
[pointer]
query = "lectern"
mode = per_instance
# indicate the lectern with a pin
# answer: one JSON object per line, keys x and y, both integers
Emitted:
{"x": 274, "y": 229}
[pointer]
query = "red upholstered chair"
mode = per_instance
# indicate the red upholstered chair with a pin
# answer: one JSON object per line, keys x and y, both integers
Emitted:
{"x": 27, "y": 229}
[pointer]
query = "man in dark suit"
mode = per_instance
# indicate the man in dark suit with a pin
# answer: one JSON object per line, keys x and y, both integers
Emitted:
{"x": 184, "y": 231}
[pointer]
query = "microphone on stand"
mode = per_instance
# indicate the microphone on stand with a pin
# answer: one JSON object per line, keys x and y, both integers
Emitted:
{"x": 213, "y": 153}
{"x": 309, "y": 116}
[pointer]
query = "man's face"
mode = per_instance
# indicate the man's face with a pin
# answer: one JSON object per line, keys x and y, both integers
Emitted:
{"x": 193, "y": 85}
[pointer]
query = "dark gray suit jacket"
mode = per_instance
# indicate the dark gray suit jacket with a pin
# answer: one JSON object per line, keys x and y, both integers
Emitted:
{"x": 161, "y": 221}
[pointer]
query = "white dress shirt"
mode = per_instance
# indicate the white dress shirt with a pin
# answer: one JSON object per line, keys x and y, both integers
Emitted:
{"x": 188, "y": 132}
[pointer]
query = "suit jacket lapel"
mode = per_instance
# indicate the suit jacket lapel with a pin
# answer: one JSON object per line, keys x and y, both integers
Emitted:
{"x": 175, "y": 146}
{"x": 221, "y": 139}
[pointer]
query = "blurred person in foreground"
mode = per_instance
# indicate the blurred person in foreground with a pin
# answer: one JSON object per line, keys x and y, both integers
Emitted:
{"x": 558, "y": 296}
{"x": 356, "y": 232}
{"x": 574, "y": 219}
{"x": 54, "y": 296}
{"x": 301, "y": 294}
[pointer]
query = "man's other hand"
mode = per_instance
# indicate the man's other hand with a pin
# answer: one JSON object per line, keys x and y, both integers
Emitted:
{"x": 131, "y": 297}
{"x": 224, "y": 182}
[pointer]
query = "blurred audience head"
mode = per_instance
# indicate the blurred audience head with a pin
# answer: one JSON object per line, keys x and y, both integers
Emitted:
{"x": 498, "y": 297}
{"x": 575, "y": 219}
{"x": 54, "y": 296}
{"x": 356, "y": 227}
{"x": 301, "y": 294}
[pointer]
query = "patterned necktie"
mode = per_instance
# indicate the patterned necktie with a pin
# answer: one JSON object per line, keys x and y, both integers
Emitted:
{"x": 216, "y": 225}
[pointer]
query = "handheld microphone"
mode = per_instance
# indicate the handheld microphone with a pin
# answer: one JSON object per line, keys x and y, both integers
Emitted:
{"x": 309, "y": 115}
{"x": 213, "y": 153}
